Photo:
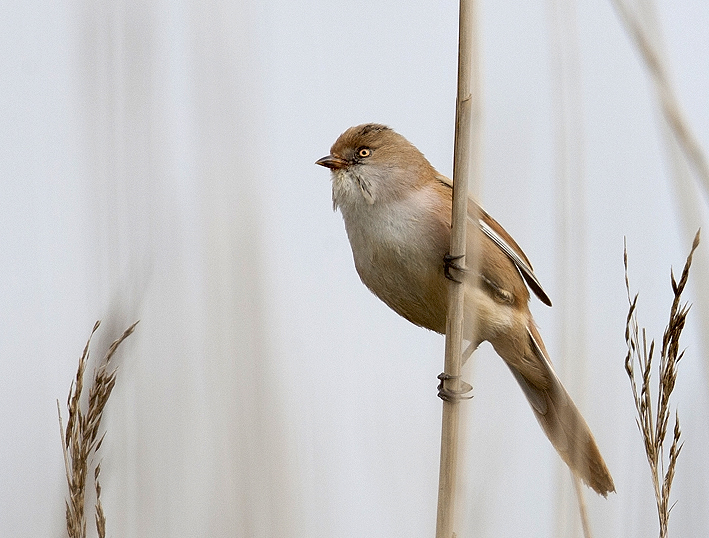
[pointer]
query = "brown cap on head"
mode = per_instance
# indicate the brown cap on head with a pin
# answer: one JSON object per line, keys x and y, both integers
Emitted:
{"x": 344, "y": 151}
{"x": 373, "y": 143}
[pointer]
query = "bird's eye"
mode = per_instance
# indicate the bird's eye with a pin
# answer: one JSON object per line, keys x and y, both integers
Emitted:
{"x": 364, "y": 152}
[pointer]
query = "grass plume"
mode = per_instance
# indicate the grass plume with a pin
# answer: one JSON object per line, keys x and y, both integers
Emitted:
{"x": 653, "y": 422}
{"x": 81, "y": 441}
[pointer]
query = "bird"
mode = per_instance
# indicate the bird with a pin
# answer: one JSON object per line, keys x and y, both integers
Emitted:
{"x": 397, "y": 214}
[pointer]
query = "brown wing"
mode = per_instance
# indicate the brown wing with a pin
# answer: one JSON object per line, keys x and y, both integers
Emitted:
{"x": 492, "y": 229}
{"x": 498, "y": 235}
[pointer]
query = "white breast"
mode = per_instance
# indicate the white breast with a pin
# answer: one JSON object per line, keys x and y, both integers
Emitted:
{"x": 398, "y": 254}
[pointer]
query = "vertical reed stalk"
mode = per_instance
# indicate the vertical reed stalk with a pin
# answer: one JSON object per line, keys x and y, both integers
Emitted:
{"x": 466, "y": 163}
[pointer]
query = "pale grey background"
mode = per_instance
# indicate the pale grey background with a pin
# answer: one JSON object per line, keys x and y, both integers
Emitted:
{"x": 157, "y": 164}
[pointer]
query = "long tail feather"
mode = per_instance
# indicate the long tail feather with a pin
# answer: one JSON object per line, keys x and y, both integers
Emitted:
{"x": 563, "y": 423}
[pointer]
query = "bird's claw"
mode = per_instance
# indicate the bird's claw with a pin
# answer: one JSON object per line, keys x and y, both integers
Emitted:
{"x": 448, "y": 395}
{"x": 449, "y": 263}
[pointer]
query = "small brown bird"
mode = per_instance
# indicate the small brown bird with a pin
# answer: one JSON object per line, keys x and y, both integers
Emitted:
{"x": 397, "y": 213}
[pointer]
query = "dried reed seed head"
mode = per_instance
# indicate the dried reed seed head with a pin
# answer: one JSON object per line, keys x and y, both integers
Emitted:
{"x": 80, "y": 440}
{"x": 654, "y": 432}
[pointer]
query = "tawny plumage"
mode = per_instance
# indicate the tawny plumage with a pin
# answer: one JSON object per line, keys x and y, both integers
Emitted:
{"x": 397, "y": 213}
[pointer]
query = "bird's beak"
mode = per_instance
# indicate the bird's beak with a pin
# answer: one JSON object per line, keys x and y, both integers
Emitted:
{"x": 332, "y": 162}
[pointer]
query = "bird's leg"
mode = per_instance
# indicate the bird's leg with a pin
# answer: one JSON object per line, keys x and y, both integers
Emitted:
{"x": 449, "y": 395}
{"x": 445, "y": 393}
{"x": 472, "y": 346}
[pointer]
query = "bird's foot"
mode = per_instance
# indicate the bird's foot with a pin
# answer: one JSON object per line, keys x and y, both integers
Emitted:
{"x": 449, "y": 395}
{"x": 449, "y": 263}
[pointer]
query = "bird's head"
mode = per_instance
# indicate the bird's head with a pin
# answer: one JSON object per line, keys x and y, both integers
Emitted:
{"x": 371, "y": 163}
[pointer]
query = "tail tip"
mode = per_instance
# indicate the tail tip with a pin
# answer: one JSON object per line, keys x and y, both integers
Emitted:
{"x": 601, "y": 484}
